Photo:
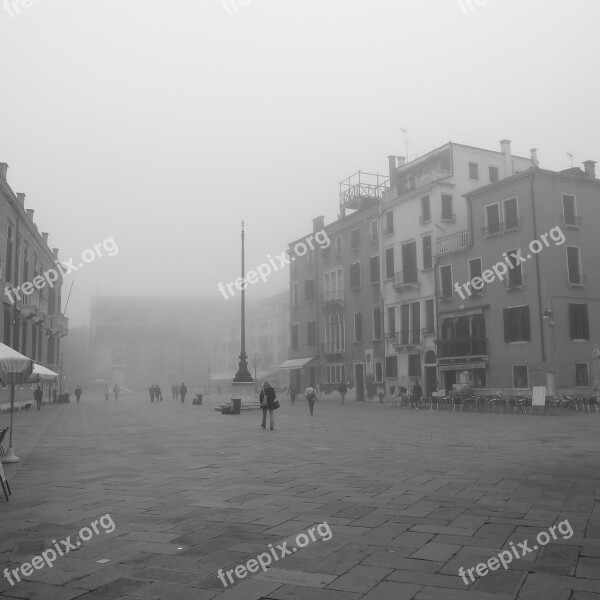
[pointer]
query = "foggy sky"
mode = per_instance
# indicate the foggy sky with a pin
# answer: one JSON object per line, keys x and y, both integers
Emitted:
{"x": 162, "y": 123}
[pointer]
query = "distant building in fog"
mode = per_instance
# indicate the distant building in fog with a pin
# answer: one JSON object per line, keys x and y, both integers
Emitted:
{"x": 136, "y": 342}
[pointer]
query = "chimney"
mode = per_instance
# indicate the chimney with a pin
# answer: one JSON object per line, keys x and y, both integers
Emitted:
{"x": 318, "y": 223}
{"x": 21, "y": 199}
{"x": 505, "y": 149}
{"x": 45, "y": 237}
{"x": 55, "y": 253}
{"x": 30, "y": 212}
{"x": 392, "y": 169}
{"x": 3, "y": 169}
{"x": 534, "y": 157}
{"x": 590, "y": 168}
{"x": 401, "y": 160}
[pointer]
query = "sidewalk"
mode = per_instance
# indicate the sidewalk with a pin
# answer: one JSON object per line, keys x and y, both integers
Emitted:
{"x": 410, "y": 496}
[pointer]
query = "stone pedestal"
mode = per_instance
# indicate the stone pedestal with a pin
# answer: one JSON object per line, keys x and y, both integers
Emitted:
{"x": 245, "y": 391}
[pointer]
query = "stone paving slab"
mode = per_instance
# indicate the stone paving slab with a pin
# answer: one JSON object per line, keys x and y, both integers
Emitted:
{"x": 409, "y": 496}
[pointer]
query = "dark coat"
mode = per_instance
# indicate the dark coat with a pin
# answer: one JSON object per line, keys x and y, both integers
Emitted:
{"x": 271, "y": 395}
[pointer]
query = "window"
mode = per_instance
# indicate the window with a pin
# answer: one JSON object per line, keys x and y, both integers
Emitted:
{"x": 374, "y": 265}
{"x": 429, "y": 316}
{"x": 493, "y": 171}
{"x": 391, "y": 366}
{"x": 520, "y": 377}
{"x": 415, "y": 311}
{"x": 582, "y": 378}
{"x": 492, "y": 218}
{"x": 446, "y": 281}
{"x": 578, "y": 321}
{"x": 24, "y": 337}
{"x": 569, "y": 210}
{"x": 357, "y": 328}
{"x": 295, "y": 327}
{"x": 377, "y": 323}
{"x": 473, "y": 171}
{"x": 51, "y": 350}
{"x": 447, "y": 208}
{"x": 389, "y": 222}
{"x": 7, "y": 323}
{"x": 9, "y": 260}
{"x": 34, "y": 342}
{"x": 425, "y": 209}
{"x": 373, "y": 232}
{"x": 294, "y": 261}
{"x": 311, "y": 333}
{"x": 338, "y": 245}
{"x": 326, "y": 252}
{"x": 511, "y": 214}
{"x": 296, "y": 299}
{"x": 515, "y": 272}
{"x": 391, "y": 321}
{"x": 516, "y": 324}
{"x": 378, "y": 372}
{"x": 414, "y": 365}
{"x": 39, "y": 337}
{"x": 309, "y": 290}
{"x": 409, "y": 262}
{"x": 475, "y": 271}
{"x": 574, "y": 266}
{"x": 405, "y": 324}
{"x": 25, "y": 264}
{"x": 355, "y": 239}
{"x": 389, "y": 263}
{"x": 354, "y": 276}
{"x": 427, "y": 252}
{"x": 310, "y": 258}
{"x": 334, "y": 282}
{"x": 335, "y": 333}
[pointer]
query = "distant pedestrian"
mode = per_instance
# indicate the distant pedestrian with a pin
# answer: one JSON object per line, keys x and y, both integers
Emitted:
{"x": 158, "y": 393}
{"x": 267, "y": 403}
{"x": 151, "y": 391}
{"x": 106, "y": 391}
{"x": 292, "y": 393}
{"x": 311, "y": 395}
{"x": 343, "y": 390}
{"x": 182, "y": 392}
{"x": 116, "y": 391}
{"x": 78, "y": 393}
{"x": 37, "y": 395}
{"x": 417, "y": 394}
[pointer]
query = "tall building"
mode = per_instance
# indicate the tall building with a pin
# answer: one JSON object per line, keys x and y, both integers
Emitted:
{"x": 520, "y": 302}
{"x": 33, "y": 323}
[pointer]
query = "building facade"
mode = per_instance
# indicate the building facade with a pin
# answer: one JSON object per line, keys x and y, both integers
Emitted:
{"x": 520, "y": 304}
{"x": 32, "y": 321}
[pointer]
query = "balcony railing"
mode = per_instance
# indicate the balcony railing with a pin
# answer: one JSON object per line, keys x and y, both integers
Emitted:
{"x": 450, "y": 244}
{"x": 411, "y": 337}
{"x": 576, "y": 279}
{"x": 424, "y": 219}
{"x": 332, "y": 348}
{"x": 571, "y": 221}
{"x": 333, "y": 298}
{"x": 402, "y": 286}
{"x": 449, "y": 218}
{"x": 501, "y": 228}
{"x": 462, "y": 346}
{"x": 428, "y": 331}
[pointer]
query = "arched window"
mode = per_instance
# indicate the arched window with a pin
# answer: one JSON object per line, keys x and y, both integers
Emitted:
{"x": 25, "y": 264}
{"x": 9, "y": 252}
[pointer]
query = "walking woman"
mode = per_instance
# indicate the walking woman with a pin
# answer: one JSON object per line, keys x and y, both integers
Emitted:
{"x": 292, "y": 393}
{"x": 267, "y": 403}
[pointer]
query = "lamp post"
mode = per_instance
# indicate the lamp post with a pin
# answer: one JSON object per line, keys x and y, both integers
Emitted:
{"x": 243, "y": 375}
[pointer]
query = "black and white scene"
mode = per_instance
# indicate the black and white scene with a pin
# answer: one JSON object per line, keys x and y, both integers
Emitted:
{"x": 300, "y": 300}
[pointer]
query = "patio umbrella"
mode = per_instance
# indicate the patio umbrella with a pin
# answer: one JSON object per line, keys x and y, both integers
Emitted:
{"x": 14, "y": 368}
{"x": 41, "y": 375}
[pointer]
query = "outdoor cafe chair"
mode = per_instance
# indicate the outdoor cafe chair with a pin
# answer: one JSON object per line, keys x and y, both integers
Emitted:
{"x": 2, "y": 436}
{"x": 592, "y": 403}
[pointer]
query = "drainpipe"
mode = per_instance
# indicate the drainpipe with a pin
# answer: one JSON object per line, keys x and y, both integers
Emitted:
{"x": 537, "y": 275}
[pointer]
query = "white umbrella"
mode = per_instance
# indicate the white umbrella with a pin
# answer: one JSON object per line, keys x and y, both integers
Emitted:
{"x": 41, "y": 374}
{"x": 14, "y": 368}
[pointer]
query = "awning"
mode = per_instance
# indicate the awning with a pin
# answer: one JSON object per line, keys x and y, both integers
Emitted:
{"x": 463, "y": 366}
{"x": 456, "y": 314}
{"x": 41, "y": 374}
{"x": 295, "y": 363}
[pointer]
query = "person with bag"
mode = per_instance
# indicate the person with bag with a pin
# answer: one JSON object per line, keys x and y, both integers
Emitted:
{"x": 311, "y": 395}
{"x": 268, "y": 402}
{"x": 37, "y": 395}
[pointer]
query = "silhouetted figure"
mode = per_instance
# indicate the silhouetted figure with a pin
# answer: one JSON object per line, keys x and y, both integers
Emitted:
{"x": 37, "y": 395}
{"x": 116, "y": 391}
{"x": 78, "y": 393}
{"x": 152, "y": 392}
{"x": 311, "y": 395}
{"x": 182, "y": 392}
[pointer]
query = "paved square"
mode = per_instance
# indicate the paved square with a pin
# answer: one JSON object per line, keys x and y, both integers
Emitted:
{"x": 409, "y": 497}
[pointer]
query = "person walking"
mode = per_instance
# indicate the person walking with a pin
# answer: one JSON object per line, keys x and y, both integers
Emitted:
{"x": 151, "y": 391}
{"x": 267, "y": 403}
{"x": 182, "y": 392}
{"x": 292, "y": 393}
{"x": 311, "y": 395}
{"x": 158, "y": 393}
{"x": 78, "y": 393}
{"x": 116, "y": 391}
{"x": 343, "y": 390}
{"x": 417, "y": 394}
{"x": 37, "y": 395}
{"x": 106, "y": 391}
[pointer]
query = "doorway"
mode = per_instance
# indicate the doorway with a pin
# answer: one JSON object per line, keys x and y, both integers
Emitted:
{"x": 359, "y": 382}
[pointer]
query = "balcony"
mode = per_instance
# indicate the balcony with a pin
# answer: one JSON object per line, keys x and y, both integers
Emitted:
{"x": 449, "y": 218}
{"x": 59, "y": 325}
{"x": 428, "y": 331}
{"x": 407, "y": 339}
{"x": 462, "y": 347}
{"x": 402, "y": 286}
{"x": 424, "y": 219}
{"x": 576, "y": 279}
{"x": 450, "y": 244}
{"x": 501, "y": 228}
{"x": 362, "y": 189}
{"x": 572, "y": 221}
{"x": 332, "y": 348}
{"x": 333, "y": 299}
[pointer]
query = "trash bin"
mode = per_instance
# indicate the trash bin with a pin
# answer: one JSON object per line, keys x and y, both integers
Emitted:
{"x": 236, "y": 404}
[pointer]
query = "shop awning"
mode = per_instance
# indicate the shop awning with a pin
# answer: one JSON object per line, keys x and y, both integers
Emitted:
{"x": 295, "y": 363}
{"x": 463, "y": 366}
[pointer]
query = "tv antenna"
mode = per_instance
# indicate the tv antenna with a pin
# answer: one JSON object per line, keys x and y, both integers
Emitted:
{"x": 571, "y": 157}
